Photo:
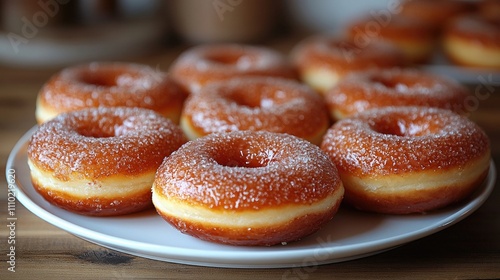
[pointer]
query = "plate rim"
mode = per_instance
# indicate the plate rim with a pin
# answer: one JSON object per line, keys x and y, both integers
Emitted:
{"x": 238, "y": 259}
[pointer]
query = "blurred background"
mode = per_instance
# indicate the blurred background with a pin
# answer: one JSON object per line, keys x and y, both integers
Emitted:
{"x": 56, "y": 33}
{"x": 37, "y": 33}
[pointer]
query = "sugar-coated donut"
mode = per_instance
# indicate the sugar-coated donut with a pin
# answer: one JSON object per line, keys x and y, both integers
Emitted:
{"x": 416, "y": 39}
{"x": 403, "y": 160}
{"x": 203, "y": 64}
{"x": 322, "y": 60}
{"x": 260, "y": 103}
{"x": 101, "y": 161}
{"x": 362, "y": 91}
{"x": 473, "y": 41}
{"x": 435, "y": 12}
{"x": 489, "y": 9}
{"x": 110, "y": 84}
{"x": 248, "y": 188}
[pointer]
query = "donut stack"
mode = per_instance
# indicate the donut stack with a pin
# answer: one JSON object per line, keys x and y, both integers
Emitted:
{"x": 241, "y": 145}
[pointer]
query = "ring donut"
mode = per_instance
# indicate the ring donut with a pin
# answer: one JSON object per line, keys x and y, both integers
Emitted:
{"x": 394, "y": 87}
{"x": 261, "y": 103}
{"x": 402, "y": 160}
{"x": 473, "y": 41}
{"x": 323, "y": 61}
{"x": 247, "y": 188}
{"x": 109, "y": 84}
{"x": 101, "y": 161}
{"x": 201, "y": 65}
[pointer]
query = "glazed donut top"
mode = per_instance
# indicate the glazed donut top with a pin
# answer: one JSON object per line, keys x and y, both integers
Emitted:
{"x": 103, "y": 142}
{"x": 260, "y": 103}
{"x": 345, "y": 55}
{"x": 477, "y": 29}
{"x": 396, "y": 87}
{"x": 208, "y": 63}
{"x": 397, "y": 140}
{"x": 261, "y": 169}
{"x": 111, "y": 84}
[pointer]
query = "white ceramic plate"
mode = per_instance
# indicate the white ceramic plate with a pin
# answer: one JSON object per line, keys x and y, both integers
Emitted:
{"x": 350, "y": 235}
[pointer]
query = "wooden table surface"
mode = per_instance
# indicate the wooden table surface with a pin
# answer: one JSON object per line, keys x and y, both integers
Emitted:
{"x": 469, "y": 249}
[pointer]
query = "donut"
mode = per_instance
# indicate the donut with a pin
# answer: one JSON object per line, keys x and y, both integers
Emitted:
{"x": 402, "y": 160}
{"x": 109, "y": 84}
{"x": 249, "y": 188}
{"x": 362, "y": 91}
{"x": 101, "y": 161}
{"x": 204, "y": 64}
{"x": 259, "y": 103}
{"x": 473, "y": 41}
{"x": 489, "y": 9}
{"x": 322, "y": 60}
{"x": 416, "y": 39}
{"x": 435, "y": 12}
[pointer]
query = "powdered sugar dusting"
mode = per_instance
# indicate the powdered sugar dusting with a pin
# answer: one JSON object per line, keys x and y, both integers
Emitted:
{"x": 395, "y": 87}
{"x": 395, "y": 140}
{"x": 247, "y": 170}
{"x": 269, "y": 104}
{"x": 344, "y": 56}
{"x": 100, "y": 142}
{"x": 111, "y": 85}
{"x": 204, "y": 64}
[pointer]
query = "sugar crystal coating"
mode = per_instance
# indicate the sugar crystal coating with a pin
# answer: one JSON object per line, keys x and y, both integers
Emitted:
{"x": 361, "y": 91}
{"x": 344, "y": 55}
{"x": 269, "y": 104}
{"x": 397, "y": 140}
{"x": 111, "y": 84}
{"x": 247, "y": 170}
{"x": 204, "y": 64}
{"x": 101, "y": 142}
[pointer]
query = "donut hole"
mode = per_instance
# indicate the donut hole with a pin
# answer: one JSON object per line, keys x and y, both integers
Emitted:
{"x": 106, "y": 128}
{"x": 394, "y": 82}
{"x": 241, "y": 157}
{"x": 257, "y": 96}
{"x": 108, "y": 78}
{"x": 237, "y": 59}
{"x": 403, "y": 128}
{"x": 95, "y": 131}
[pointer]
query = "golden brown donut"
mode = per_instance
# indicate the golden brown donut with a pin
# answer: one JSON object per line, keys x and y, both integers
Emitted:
{"x": 362, "y": 91}
{"x": 489, "y": 9}
{"x": 473, "y": 41}
{"x": 261, "y": 103}
{"x": 101, "y": 161}
{"x": 322, "y": 61}
{"x": 204, "y": 64}
{"x": 247, "y": 188}
{"x": 109, "y": 84}
{"x": 402, "y": 160}
{"x": 416, "y": 39}
{"x": 435, "y": 12}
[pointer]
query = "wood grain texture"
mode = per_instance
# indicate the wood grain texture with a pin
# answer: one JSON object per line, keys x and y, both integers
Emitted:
{"x": 467, "y": 250}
